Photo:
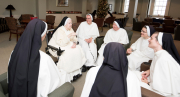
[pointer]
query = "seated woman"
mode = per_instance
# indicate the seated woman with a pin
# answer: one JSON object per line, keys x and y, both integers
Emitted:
{"x": 31, "y": 72}
{"x": 109, "y": 79}
{"x": 72, "y": 59}
{"x": 116, "y": 34}
{"x": 139, "y": 51}
{"x": 163, "y": 77}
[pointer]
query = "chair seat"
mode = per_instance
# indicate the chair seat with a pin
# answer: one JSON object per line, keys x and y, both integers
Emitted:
{"x": 20, "y": 30}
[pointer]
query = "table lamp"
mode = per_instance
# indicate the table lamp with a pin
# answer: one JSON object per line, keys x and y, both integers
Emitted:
{"x": 10, "y": 7}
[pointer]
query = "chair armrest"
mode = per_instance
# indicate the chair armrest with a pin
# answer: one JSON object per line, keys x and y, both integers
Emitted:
{"x": 66, "y": 90}
{"x": 148, "y": 93}
{"x": 3, "y": 81}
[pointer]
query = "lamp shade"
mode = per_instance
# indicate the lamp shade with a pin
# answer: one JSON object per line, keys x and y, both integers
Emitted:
{"x": 10, "y": 7}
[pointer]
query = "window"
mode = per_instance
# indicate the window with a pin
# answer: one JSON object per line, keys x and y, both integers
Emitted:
{"x": 126, "y": 6}
{"x": 160, "y": 7}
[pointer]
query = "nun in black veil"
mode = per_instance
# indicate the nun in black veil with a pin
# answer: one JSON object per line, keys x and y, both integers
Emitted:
{"x": 139, "y": 51}
{"x": 112, "y": 78}
{"x": 72, "y": 59}
{"x": 31, "y": 72}
{"x": 116, "y": 34}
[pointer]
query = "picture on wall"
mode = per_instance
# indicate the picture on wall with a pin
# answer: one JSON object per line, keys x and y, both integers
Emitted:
{"x": 110, "y": 7}
{"x": 62, "y": 3}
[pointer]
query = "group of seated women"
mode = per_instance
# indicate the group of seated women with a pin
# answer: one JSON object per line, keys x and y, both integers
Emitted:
{"x": 33, "y": 73}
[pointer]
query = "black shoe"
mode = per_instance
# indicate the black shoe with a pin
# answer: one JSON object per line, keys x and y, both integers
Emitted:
{"x": 89, "y": 67}
{"x": 79, "y": 75}
{"x": 74, "y": 78}
{"x": 84, "y": 69}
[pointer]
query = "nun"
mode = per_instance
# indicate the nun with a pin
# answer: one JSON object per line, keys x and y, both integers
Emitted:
{"x": 139, "y": 51}
{"x": 116, "y": 34}
{"x": 112, "y": 78}
{"x": 72, "y": 59}
{"x": 164, "y": 72}
{"x": 31, "y": 72}
{"x": 87, "y": 32}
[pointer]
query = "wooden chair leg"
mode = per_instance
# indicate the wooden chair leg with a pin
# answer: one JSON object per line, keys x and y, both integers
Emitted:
{"x": 102, "y": 29}
{"x": 109, "y": 25}
{"x": 10, "y": 37}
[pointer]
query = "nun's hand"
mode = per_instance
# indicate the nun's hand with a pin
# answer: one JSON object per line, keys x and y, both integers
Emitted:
{"x": 74, "y": 45}
{"x": 87, "y": 40}
{"x": 90, "y": 40}
{"x": 74, "y": 34}
{"x": 129, "y": 51}
{"x": 145, "y": 74}
{"x": 145, "y": 80}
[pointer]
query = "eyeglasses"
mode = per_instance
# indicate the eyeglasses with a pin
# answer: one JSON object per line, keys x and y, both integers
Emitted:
{"x": 88, "y": 18}
{"x": 143, "y": 31}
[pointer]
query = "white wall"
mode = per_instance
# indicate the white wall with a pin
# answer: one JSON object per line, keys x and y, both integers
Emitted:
{"x": 74, "y": 5}
{"x": 92, "y": 5}
{"x": 174, "y": 9}
{"x": 21, "y": 6}
{"x": 113, "y": 4}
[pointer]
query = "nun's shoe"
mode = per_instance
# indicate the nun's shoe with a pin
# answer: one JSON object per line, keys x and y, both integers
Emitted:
{"x": 74, "y": 78}
{"x": 79, "y": 75}
{"x": 84, "y": 68}
{"x": 89, "y": 67}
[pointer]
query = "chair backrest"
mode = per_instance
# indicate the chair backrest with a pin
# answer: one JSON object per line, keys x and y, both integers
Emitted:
{"x": 11, "y": 22}
{"x": 125, "y": 21}
{"x": 50, "y": 19}
{"x": 144, "y": 23}
{"x": 26, "y": 16}
{"x": 99, "y": 21}
{"x": 169, "y": 22}
{"x": 167, "y": 17}
{"x": 110, "y": 20}
{"x": 75, "y": 26}
{"x": 80, "y": 19}
{"x": 33, "y": 18}
{"x": 135, "y": 20}
{"x": 176, "y": 33}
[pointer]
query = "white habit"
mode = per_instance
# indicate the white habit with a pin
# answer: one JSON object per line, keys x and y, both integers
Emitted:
{"x": 49, "y": 77}
{"x": 141, "y": 53}
{"x": 86, "y": 31}
{"x": 72, "y": 59}
{"x": 164, "y": 75}
{"x": 119, "y": 36}
{"x": 133, "y": 84}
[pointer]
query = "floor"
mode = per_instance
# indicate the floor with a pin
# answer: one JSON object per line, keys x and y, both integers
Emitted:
{"x": 7, "y": 46}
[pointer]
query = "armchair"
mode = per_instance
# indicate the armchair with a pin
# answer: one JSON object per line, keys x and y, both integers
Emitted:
{"x": 109, "y": 20}
{"x": 99, "y": 22}
{"x": 50, "y": 19}
{"x": 25, "y": 17}
{"x": 66, "y": 90}
{"x": 13, "y": 27}
{"x": 137, "y": 26}
{"x": 169, "y": 26}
